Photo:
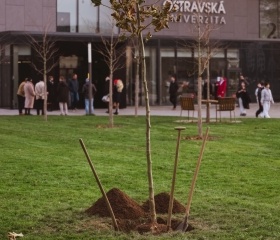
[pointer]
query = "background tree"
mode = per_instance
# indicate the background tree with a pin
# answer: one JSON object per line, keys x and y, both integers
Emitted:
{"x": 134, "y": 17}
{"x": 44, "y": 47}
{"x": 135, "y": 89}
{"x": 205, "y": 49}
{"x": 113, "y": 51}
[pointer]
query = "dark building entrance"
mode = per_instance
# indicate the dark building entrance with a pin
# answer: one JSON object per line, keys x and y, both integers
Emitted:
{"x": 72, "y": 57}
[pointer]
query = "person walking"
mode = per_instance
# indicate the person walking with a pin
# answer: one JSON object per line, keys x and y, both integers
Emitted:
{"x": 117, "y": 91}
{"x": 63, "y": 95}
{"x": 29, "y": 94}
{"x": 266, "y": 99}
{"x": 21, "y": 97}
{"x": 173, "y": 89}
{"x": 243, "y": 99}
{"x": 258, "y": 94}
{"x": 40, "y": 96}
{"x": 241, "y": 80}
{"x": 74, "y": 91}
{"x": 89, "y": 99}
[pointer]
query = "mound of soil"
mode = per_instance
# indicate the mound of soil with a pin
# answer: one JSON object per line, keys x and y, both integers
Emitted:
{"x": 162, "y": 204}
{"x": 123, "y": 206}
{"x": 131, "y": 216}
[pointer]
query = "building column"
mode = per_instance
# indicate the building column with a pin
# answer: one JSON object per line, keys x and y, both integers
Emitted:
{"x": 14, "y": 85}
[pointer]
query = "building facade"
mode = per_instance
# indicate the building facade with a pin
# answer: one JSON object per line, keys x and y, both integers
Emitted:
{"x": 246, "y": 33}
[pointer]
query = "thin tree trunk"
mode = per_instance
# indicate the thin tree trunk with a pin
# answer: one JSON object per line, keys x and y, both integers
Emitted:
{"x": 199, "y": 83}
{"x": 137, "y": 85}
{"x": 199, "y": 119}
{"x": 45, "y": 90}
{"x": 148, "y": 128}
{"x": 208, "y": 104}
{"x": 111, "y": 119}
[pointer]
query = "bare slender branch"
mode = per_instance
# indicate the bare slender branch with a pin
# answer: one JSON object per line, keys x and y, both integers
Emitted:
{"x": 113, "y": 51}
{"x": 45, "y": 49}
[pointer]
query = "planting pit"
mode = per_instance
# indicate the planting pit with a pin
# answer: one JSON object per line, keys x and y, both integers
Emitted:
{"x": 131, "y": 216}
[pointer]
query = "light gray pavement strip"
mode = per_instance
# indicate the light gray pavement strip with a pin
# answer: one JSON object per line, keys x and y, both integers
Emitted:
{"x": 161, "y": 111}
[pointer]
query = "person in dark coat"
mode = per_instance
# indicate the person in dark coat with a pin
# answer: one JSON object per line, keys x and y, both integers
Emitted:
{"x": 89, "y": 100}
{"x": 173, "y": 89}
{"x": 51, "y": 87}
{"x": 63, "y": 95}
{"x": 74, "y": 91}
{"x": 258, "y": 94}
{"x": 243, "y": 99}
{"x": 117, "y": 93}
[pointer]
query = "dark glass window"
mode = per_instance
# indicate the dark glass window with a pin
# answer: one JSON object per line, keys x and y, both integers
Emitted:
{"x": 67, "y": 15}
{"x": 83, "y": 17}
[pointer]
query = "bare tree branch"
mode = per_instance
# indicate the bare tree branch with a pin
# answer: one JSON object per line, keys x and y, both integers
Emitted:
{"x": 113, "y": 51}
{"x": 45, "y": 49}
{"x": 205, "y": 49}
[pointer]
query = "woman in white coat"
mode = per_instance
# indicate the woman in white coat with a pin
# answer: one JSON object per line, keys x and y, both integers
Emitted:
{"x": 29, "y": 96}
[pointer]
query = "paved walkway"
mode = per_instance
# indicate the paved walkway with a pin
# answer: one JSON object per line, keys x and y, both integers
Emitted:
{"x": 161, "y": 111}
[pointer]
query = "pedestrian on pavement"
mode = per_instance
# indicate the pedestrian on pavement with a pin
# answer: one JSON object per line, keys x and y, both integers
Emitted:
{"x": 266, "y": 100}
{"x": 173, "y": 90}
{"x": 258, "y": 94}
{"x": 29, "y": 96}
{"x": 40, "y": 96}
{"x": 117, "y": 92}
{"x": 21, "y": 97}
{"x": 221, "y": 87}
{"x": 51, "y": 88}
{"x": 74, "y": 91}
{"x": 243, "y": 99}
{"x": 63, "y": 95}
{"x": 89, "y": 99}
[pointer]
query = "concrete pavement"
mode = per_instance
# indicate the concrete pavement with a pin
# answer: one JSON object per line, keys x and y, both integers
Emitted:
{"x": 161, "y": 111}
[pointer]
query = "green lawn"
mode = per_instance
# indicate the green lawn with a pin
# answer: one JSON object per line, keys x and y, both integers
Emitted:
{"x": 46, "y": 183}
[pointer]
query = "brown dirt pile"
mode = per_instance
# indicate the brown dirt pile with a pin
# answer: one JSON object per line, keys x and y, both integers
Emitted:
{"x": 131, "y": 216}
{"x": 123, "y": 206}
{"x": 162, "y": 204}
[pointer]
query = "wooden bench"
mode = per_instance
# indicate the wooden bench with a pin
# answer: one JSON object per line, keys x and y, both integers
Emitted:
{"x": 187, "y": 104}
{"x": 226, "y": 104}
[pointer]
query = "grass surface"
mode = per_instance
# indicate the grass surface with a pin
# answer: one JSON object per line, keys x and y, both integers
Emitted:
{"x": 46, "y": 183}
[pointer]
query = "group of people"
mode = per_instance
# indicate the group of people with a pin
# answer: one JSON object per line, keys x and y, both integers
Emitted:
{"x": 264, "y": 99}
{"x": 175, "y": 89}
{"x": 64, "y": 93}
{"x": 263, "y": 94}
{"x": 30, "y": 96}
